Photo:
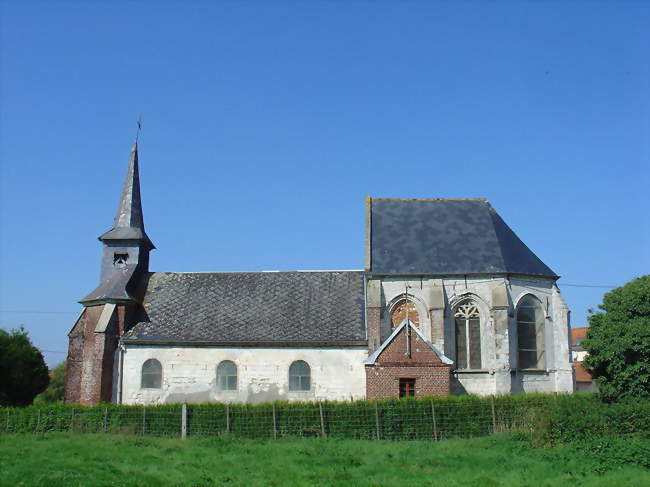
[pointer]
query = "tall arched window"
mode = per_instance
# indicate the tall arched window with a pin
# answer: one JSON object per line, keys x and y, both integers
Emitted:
{"x": 227, "y": 376}
{"x": 401, "y": 310}
{"x": 151, "y": 375}
{"x": 530, "y": 334}
{"x": 468, "y": 335}
{"x": 299, "y": 376}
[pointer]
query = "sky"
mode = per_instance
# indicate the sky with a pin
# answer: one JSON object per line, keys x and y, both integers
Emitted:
{"x": 265, "y": 124}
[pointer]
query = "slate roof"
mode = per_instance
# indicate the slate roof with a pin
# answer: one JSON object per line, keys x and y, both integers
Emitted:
{"x": 445, "y": 236}
{"x": 118, "y": 287}
{"x": 129, "y": 222}
{"x": 305, "y": 307}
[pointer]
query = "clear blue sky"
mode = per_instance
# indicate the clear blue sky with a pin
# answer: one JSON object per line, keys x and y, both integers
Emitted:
{"x": 266, "y": 124}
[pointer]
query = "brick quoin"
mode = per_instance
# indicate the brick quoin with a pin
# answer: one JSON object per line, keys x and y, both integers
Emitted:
{"x": 432, "y": 376}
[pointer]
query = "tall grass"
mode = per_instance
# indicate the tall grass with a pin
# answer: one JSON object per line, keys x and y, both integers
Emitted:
{"x": 71, "y": 460}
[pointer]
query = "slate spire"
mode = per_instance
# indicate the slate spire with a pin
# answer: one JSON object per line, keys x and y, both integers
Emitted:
{"x": 129, "y": 221}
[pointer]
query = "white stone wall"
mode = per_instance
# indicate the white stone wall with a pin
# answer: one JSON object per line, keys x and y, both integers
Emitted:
{"x": 189, "y": 374}
{"x": 498, "y": 373}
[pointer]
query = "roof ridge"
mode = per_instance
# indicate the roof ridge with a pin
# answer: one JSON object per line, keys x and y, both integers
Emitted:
{"x": 484, "y": 200}
{"x": 257, "y": 272}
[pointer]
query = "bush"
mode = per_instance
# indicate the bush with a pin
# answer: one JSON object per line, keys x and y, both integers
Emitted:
{"x": 22, "y": 369}
{"x": 618, "y": 342}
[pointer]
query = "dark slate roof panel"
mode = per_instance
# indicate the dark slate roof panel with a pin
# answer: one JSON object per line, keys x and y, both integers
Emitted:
{"x": 517, "y": 257}
{"x": 115, "y": 289}
{"x": 249, "y": 307}
{"x": 445, "y": 236}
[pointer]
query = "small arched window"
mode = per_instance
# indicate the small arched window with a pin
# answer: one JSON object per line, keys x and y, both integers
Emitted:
{"x": 227, "y": 376}
{"x": 468, "y": 335}
{"x": 151, "y": 375}
{"x": 402, "y": 310}
{"x": 299, "y": 376}
{"x": 530, "y": 334}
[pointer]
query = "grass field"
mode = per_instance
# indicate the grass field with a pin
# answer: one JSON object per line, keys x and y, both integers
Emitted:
{"x": 63, "y": 459}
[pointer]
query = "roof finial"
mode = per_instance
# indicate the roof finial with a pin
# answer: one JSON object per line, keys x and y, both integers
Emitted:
{"x": 137, "y": 134}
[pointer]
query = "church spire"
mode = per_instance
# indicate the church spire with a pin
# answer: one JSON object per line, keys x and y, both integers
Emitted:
{"x": 129, "y": 222}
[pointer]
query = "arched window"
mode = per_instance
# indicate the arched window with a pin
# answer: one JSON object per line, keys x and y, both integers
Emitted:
{"x": 227, "y": 376}
{"x": 401, "y": 310}
{"x": 468, "y": 335}
{"x": 530, "y": 334}
{"x": 299, "y": 376}
{"x": 151, "y": 375}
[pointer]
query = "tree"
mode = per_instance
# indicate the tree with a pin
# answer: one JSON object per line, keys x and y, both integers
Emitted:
{"x": 54, "y": 392}
{"x": 23, "y": 373}
{"x": 618, "y": 342}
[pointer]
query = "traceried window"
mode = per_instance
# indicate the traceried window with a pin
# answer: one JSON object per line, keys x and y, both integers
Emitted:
{"x": 468, "y": 335}
{"x": 227, "y": 376}
{"x": 299, "y": 376}
{"x": 403, "y": 309}
{"x": 151, "y": 375}
{"x": 530, "y": 334}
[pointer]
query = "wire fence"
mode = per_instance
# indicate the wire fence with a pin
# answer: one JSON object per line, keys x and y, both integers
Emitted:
{"x": 421, "y": 419}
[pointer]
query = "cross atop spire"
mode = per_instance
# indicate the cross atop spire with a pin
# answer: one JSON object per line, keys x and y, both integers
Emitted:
{"x": 129, "y": 222}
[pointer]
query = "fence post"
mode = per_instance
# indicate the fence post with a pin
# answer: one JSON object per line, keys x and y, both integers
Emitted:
{"x": 38, "y": 419}
{"x": 105, "y": 420}
{"x": 322, "y": 420}
{"x": 494, "y": 416}
{"x": 144, "y": 418}
{"x": 275, "y": 427}
{"x": 72, "y": 421}
{"x": 184, "y": 421}
{"x": 7, "y": 430}
{"x": 433, "y": 417}
{"x": 227, "y": 418}
{"x": 377, "y": 419}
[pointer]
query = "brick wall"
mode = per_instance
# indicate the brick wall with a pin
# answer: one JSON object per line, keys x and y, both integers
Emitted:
{"x": 382, "y": 382}
{"x": 89, "y": 370}
{"x": 407, "y": 356}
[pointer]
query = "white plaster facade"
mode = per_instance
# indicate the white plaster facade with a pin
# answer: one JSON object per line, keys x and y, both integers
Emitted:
{"x": 189, "y": 374}
{"x": 497, "y": 299}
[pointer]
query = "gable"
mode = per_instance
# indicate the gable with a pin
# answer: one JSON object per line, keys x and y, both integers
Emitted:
{"x": 407, "y": 345}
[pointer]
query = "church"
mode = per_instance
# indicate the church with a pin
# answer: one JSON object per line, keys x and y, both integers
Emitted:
{"x": 450, "y": 301}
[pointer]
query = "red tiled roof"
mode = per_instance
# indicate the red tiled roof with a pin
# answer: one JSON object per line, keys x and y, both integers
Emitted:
{"x": 578, "y": 334}
{"x": 581, "y": 373}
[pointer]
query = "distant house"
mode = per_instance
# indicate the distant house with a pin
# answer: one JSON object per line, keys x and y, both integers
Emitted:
{"x": 584, "y": 382}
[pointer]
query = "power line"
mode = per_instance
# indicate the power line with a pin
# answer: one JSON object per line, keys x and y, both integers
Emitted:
{"x": 603, "y": 286}
{"x": 39, "y": 312}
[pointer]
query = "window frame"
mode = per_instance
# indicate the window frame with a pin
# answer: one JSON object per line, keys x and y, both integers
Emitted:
{"x": 406, "y": 387}
{"x": 225, "y": 363}
{"x": 142, "y": 374}
{"x": 468, "y": 333}
{"x": 541, "y": 363}
{"x": 300, "y": 376}
{"x": 410, "y": 303}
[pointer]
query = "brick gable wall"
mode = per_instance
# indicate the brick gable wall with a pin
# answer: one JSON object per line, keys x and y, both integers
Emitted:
{"x": 431, "y": 375}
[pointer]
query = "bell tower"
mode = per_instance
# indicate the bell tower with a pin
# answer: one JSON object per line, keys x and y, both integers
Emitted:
{"x": 95, "y": 335}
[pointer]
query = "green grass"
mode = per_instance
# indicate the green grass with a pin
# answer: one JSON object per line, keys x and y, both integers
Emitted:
{"x": 65, "y": 459}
